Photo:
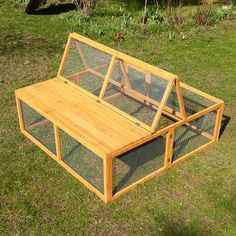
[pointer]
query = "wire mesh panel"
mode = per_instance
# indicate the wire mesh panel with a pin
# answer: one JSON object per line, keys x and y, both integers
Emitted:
{"x": 138, "y": 163}
{"x": 135, "y": 91}
{"x": 193, "y": 135}
{"x": 194, "y": 102}
{"x": 39, "y": 127}
{"x": 83, "y": 161}
{"x": 86, "y": 66}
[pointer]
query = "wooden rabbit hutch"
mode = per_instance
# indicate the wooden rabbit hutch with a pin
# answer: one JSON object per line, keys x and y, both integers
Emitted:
{"x": 114, "y": 121}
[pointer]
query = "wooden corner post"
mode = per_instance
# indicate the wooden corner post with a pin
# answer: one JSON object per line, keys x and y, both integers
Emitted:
{"x": 57, "y": 142}
{"x": 219, "y": 116}
{"x": 107, "y": 166}
{"x": 20, "y": 113}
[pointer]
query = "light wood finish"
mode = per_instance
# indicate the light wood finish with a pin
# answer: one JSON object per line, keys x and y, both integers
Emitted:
{"x": 85, "y": 63}
{"x": 169, "y": 148}
{"x": 108, "y": 179}
{"x": 180, "y": 99}
{"x": 57, "y": 142}
{"x": 63, "y": 60}
{"x": 94, "y": 125}
{"x": 217, "y": 128}
{"x": 107, "y": 104}
{"x": 133, "y": 61}
{"x": 20, "y": 114}
{"x": 162, "y": 105}
{"x": 107, "y": 78}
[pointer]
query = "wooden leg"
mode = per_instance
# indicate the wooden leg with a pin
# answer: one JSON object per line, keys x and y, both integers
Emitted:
{"x": 218, "y": 122}
{"x": 108, "y": 179}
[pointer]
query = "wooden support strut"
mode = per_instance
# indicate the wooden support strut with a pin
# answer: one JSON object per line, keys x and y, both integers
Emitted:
{"x": 162, "y": 105}
{"x": 108, "y": 75}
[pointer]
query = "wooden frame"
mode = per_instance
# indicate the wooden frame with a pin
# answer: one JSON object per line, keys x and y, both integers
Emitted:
{"x": 180, "y": 117}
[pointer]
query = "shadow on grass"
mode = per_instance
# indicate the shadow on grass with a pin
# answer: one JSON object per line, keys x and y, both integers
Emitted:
{"x": 225, "y": 121}
{"x": 54, "y": 9}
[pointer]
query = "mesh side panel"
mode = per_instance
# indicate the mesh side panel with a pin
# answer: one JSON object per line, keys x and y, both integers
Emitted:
{"x": 39, "y": 127}
{"x": 137, "y": 163}
{"x": 172, "y": 101}
{"x": 95, "y": 58}
{"x": 188, "y": 139}
{"x": 82, "y": 160}
{"x": 131, "y": 95}
{"x": 79, "y": 60}
{"x": 74, "y": 63}
{"x": 194, "y": 102}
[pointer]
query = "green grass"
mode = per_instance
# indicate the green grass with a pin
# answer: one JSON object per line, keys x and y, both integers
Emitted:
{"x": 38, "y": 197}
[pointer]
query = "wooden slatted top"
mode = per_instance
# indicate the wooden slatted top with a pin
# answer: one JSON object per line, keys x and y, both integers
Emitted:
{"x": 94, "y": 125}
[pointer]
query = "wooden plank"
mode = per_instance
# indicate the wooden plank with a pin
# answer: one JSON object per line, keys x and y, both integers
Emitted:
{"x": 169, "y": 148}
{"x": 20, "y": 113}
{"x": 130, "y": 118}
{"x": 107, "y": 78}
{"x": 108, "y": 179}
{"x": 85, "y": 63}
{"x": 180, "y": 99}
{"x": 162, "y": 105}
{"x": 218, "y": 121}
{"x": 154, "y": 70}
{"x": 89, "y": 122}
{"x": 63, "y": 61}
{"x": 57, "y": 142}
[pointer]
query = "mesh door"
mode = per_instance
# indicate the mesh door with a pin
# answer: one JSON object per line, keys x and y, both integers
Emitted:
{"x": 135, "y": 91}
{"x": 190, "y": 137}
{"x": 138, "y": 163}
{"x": 86, "y": 66}
{"x": 87, "y": 164}
{"x": 39, "y": 127}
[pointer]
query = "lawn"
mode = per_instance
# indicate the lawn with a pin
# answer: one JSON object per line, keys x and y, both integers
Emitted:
{"x": 38, "y": 197}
